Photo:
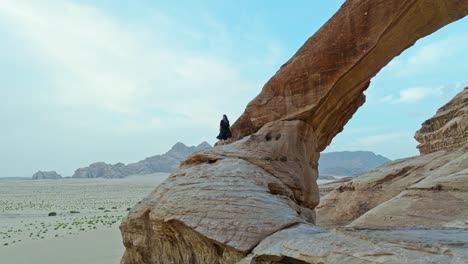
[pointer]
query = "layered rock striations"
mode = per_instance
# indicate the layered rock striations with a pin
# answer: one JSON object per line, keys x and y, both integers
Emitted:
{"x": 46, "y": 175}
{"x": 427, "y": 190}
{"x": 448, "y": 129}
{"x": 167, "y": 162}
{"x": 253, "y": 201}
{"x": 303, "y": 244}
{"x": 222, "y": 202}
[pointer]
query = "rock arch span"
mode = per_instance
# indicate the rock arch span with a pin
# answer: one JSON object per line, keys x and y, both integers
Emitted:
{"x": 221, "y": 203}
{"x": 323, "y": 83}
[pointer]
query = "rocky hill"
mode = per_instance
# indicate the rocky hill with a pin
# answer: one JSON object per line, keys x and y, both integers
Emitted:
{"x": 349, "y": 163}
{"x": 253, "y": 201}
{"x": 167, "y": 162}
{"x": 46, "y": 175}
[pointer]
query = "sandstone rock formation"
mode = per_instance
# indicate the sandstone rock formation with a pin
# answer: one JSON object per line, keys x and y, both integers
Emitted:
{"x": 302, "y": 244}
{"x": 46, "y": 175}
{"x": 323, "y": 82}
{"x": 428, "y": 190}
{"x": 167, "y": 162}
{"x": 222, "y": 202}
{"x": 222, "y": 205}
{"x": 438, "y": 134}
{"x": 102, "y": 170}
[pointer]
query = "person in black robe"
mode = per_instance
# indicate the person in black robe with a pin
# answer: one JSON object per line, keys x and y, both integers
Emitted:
{"x": 224, "y": 129}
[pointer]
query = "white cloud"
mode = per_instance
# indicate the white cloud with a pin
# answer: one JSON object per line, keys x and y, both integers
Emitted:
{"x": 430, "y": 54}
{"x": 99, "y": 61}
{"x": 388, "y": 98}
{"x": 417, "y": 94}
{"x": 429, "y": 57}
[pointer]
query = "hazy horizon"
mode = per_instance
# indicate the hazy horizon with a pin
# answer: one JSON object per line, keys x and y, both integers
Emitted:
{"x": 118, "y": 82}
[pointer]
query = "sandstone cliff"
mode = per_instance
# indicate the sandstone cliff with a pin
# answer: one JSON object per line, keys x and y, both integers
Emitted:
{"x": 439, "y": 134}
{"x": 253, "y": 201}
{"x": 167, "y": 162}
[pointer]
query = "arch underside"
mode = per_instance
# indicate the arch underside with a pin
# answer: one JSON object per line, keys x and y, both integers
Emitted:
{"x": 323, "y": 83}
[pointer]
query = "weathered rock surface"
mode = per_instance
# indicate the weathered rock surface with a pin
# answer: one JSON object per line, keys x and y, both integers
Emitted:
{"x": 167, "y": 162}
{"x": 427, "y": 190}
{"x": 222, "y": 205}
{"x": 349, "y": 163}
{"x": 331, "y": 186}
{"x": 225, "y": 200}
{"x": 439, "y": 134}
{"x": 46, "y": 175}
{"x": 312, "y": 244}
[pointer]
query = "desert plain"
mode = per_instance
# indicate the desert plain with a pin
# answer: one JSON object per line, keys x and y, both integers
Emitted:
{"x": 85, "y": 227}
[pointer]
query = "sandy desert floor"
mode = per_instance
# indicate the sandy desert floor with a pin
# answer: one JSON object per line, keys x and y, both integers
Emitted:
{"x": 85, "y": 227}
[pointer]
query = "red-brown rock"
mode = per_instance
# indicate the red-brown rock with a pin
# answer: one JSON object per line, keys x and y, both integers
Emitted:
{"x": 222, "y": 203}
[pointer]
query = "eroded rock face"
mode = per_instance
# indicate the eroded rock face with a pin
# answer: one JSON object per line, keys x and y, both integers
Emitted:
{"x": 429, "y": 190}
{"x": 222, "y": 202}
{"x": 448, "y": 129}
{"x": 426, "y": 190}
{"x": 311, "y": 244}
{"x": 222, "y": 205}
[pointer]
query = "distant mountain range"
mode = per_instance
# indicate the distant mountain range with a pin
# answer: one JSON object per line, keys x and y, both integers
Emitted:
{"x": 349, "y": 163}
{"x": 346, "y": 163}
{"x": 167, "y": 162}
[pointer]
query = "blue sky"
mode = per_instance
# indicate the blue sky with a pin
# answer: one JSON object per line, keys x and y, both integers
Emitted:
{"x": 85, "y": 80}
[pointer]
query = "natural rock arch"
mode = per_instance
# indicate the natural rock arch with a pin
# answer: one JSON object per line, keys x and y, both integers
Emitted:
{"x": 221, "y": 203}
{"x": 323, "y": 83}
